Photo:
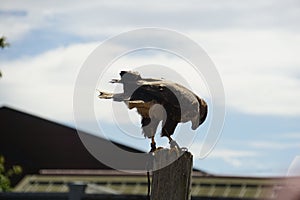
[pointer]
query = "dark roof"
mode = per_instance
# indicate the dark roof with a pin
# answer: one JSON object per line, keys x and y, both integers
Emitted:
{"x": 36, "y": 143}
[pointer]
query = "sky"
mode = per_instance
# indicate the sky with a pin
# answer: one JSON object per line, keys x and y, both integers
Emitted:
{"x": 254, "y": 45}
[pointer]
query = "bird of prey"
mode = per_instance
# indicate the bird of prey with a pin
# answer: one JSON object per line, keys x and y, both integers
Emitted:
{"x": 159, "y": 100}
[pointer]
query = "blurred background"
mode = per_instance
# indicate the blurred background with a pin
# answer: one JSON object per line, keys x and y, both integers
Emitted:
{"x": 253, "y": 44}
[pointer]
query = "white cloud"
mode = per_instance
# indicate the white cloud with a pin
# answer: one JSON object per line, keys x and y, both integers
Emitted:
{"x": 44, "y": 84}
{"x": 258, "y": 65}
{"x": 272, "y": 145}
{"x": 259, "y": 69}
{"x": 98, "y": 18}
{"x": 292, "y": 135}
{"x": 252, "y": 87}
{"x": 233, "y": 157}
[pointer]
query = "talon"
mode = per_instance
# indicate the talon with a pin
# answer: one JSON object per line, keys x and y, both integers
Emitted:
{"x": 173, "y": 144}
{"x": 184, "y": 149}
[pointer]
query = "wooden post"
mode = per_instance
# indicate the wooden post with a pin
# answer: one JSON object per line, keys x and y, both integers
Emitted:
{"x": 174, "y": 180}
{"x": 76, "y": 190}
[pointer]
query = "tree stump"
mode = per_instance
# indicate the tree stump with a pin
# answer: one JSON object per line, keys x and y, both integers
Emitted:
{"x": 174, "y": 180}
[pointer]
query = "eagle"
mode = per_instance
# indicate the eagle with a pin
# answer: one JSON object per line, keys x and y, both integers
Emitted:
{"x": 159, "y": 100}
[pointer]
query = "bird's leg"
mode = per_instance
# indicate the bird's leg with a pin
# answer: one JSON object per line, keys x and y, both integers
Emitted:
{"x": 173, "y": 143}
{"x": 153, "y": 144}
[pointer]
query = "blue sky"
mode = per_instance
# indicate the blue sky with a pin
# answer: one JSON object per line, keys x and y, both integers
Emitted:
{"x": 254, "y": 45}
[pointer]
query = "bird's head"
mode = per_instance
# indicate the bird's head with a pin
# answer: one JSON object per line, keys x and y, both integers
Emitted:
{"x": 203, "y": 111}
{"x": 129, "y": 76}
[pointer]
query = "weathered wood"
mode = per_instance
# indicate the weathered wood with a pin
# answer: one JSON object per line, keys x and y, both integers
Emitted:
{"x": 174, "y": 180}
{"x": 76, "y": 190}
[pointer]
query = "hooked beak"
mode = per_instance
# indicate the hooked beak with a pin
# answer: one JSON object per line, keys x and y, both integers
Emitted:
{"x": 115, "y": 81}
{"x": 100, "y": 93}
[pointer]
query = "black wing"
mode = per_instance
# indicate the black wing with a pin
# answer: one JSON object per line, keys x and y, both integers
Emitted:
{"x": 158, "y": 94}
